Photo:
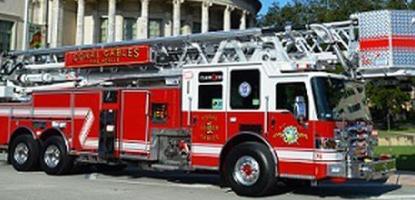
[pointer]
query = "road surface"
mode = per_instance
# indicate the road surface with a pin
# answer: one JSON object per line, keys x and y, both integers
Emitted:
{"x": 135, "y": 184}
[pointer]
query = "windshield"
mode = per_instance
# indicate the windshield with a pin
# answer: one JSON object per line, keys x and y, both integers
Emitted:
{"x": 339, "y": 99}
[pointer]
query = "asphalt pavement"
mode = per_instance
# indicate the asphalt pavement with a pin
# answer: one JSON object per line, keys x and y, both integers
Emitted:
{"x": 133, "y": 183}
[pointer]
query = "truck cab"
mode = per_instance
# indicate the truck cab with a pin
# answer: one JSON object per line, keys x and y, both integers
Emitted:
{"x": 317, "y": 124}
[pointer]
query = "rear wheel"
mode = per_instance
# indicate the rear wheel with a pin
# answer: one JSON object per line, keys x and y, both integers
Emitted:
{"x": 55, "y": 159}
{"x": 24, "y": 153}
{"x": 250, "y": 169}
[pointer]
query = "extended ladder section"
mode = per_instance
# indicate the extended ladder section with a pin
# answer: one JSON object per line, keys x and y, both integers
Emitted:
{"x": 372, "y": 44}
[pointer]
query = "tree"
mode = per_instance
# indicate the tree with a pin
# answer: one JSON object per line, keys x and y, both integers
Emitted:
{"x": 297, "y": 13}
{"x": 302, "y": 12}
{"x": 397, "y": 4}
{"x": 386, "y": 100}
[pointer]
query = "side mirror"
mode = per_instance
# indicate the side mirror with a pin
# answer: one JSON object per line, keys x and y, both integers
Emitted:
{"x": 300, "y": 108}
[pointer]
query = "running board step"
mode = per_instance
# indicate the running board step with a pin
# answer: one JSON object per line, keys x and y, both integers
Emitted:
{"x": 169, "y": 167}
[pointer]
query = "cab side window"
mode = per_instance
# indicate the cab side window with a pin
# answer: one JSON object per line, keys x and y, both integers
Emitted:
{"x": 210, "y": 97}
{"x": 210, "y": 90}
{"x": 286, "y": 93}
{"x": 245, "y": 89}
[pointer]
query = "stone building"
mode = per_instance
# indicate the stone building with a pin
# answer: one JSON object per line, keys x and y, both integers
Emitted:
{"x": 69, "y": 22}
{"x": 11, "y": 24}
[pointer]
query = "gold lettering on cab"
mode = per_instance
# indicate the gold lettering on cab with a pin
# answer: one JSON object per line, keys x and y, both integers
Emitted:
{"x": 210, "y": 128}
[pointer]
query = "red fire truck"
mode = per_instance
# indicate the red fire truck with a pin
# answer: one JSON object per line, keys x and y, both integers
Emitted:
{"x": 256, "y": 105}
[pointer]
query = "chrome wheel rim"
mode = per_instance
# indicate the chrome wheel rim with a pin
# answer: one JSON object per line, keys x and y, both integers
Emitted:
{"x": 246, "y": 171}
{"x": 52, "y": 156}
{"x": 21, "y": 153}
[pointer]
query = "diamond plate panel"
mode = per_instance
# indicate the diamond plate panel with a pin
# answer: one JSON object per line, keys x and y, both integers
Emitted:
{"x": 403, "y": 23}
{"x": 385, "y": 25}
{"x": 374, "y": 24}
{"x": 374, "y": 59}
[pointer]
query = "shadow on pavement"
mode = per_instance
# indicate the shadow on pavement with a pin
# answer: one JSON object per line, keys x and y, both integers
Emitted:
{"x": 199, "y": 177}
{"x": 349, "y": 190}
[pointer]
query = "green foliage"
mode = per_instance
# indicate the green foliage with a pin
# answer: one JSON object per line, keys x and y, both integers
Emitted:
{"x": 386, "y": 97}
{"x": 385, "y": 100}
{"x": 404, "y": 155}
{"x": 302, "y": 12}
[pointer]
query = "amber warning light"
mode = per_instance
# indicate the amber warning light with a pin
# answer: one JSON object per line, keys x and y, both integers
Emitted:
{"x": 105, "y": 57}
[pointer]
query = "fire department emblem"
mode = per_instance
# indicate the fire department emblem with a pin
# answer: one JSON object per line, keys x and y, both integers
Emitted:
{"x": 209, "y": 129}
{"x": 245, "y": 89}
{"x": 290, "y": 135}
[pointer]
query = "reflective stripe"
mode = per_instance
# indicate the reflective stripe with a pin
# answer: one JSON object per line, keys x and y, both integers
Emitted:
{"x": 205, "y": 149}
{"x": 91, "y": 143}
{"x": 135, "y": 146}
{"x": 298, "y": 155}
{"x": 57, "y": 113}
{"x": 86, "y": 127}
{"x": 309, "y": 155}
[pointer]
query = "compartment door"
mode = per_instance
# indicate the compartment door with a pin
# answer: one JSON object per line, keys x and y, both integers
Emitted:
{"x": 134, "y": 123}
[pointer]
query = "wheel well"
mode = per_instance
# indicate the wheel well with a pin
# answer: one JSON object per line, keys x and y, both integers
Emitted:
{"x": 54, "y": 132}
{"x": 20, "y": 131}
{"x": 239, "y": 139}
{"x": 49, "y": 133}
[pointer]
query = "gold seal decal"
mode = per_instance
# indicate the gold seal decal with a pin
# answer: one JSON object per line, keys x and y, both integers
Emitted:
{"x": 290, "y": 135}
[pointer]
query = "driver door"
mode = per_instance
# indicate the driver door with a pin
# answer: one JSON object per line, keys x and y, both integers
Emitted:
{"x": 285, "y": 131}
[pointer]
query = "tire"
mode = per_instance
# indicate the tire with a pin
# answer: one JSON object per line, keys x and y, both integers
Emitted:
{"x": 256, "y": 174}
{"x": 24, "y": 153}
{"x": 54, "y": 157}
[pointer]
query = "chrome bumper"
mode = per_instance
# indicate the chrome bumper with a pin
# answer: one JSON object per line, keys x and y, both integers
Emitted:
{"x": 368, "y": 170}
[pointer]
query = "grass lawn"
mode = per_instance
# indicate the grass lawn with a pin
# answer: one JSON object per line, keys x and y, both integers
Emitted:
{"x": 404, "y": 155}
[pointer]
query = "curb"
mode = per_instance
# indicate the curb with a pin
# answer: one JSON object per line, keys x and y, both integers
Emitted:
{"x": 404, "y": 178}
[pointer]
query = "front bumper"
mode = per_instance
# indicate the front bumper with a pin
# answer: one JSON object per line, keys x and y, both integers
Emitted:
{"x": 367, "y": 170}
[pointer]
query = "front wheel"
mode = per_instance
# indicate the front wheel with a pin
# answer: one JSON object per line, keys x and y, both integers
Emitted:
{"x": 250, "y": 169}
{"x": 55, "y": 159}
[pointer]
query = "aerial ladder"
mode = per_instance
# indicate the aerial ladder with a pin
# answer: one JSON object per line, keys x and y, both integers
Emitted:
{"x": 350, "y": 44}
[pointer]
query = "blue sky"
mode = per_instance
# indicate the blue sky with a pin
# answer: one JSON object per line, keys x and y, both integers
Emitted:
{"x": 267, "y": 3}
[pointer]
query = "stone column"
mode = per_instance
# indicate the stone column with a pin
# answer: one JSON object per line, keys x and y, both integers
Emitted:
{"x": 112, "y": 6}
{"x": 80, "y": 22}
{"x": 142, "y": 21}
{"x": 168, "y": 24}
{"x": 227, "y": 18}
{"x": 242, "y": 25}
{"x": 119, "y": 28}
{"x": 57, "y": 23}
{"x": 205, "y": 16}
{"x": 177, "y": 17}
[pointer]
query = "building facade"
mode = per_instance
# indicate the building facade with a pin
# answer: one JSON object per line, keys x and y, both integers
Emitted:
{"x": 75, "y": 22}
{"x": 11, "y": 24}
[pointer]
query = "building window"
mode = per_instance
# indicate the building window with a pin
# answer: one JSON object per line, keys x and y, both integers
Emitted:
{"x": 154, "y": 28}
{"x": 197, "y": 27}
{"x": 103, "y": 36}
{"x": 130, "y": 28}
{"x": 6, "y": 29}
